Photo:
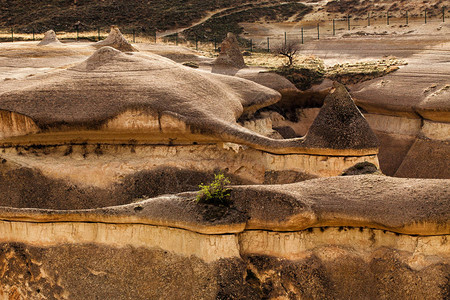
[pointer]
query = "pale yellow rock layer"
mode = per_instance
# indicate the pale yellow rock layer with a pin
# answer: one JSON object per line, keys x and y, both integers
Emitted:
{"x": 422, "y": 251}
{"x": 207, "y": 247}
{"x": 84, "y": 166}
{"x": 436, "y": 130}
{"x": 326, "y": 243}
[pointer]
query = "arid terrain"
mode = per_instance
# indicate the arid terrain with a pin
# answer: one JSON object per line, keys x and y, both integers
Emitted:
{"x": 142, "y": 168}
{"x": 206, "y": 20}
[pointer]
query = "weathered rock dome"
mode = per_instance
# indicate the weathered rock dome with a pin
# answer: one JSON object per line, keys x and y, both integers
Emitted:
{"x": 114, "y": 91}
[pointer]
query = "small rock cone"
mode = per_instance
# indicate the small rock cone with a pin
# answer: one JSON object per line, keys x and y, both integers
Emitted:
{"x": 49, "y": 38}
{"x": 116, "y": 40}
{"x": 230, "y": 54}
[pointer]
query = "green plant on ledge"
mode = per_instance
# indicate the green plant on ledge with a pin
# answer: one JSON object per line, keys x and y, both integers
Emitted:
{"x": 215, "y": 193}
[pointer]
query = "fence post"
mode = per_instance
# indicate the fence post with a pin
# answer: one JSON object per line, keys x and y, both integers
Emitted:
{"x": 334, "y": 31}
{"x": 155, "y": 36}
{"x": 12, "y": 34}
{"x": 302, "y": 34}
{"x": 268, "y": 44}
{"x": 318, "y": 33}
{"x": 425, "y": 16}
{"x": 98, "y": 33}
{"x": 368, "y": 18}
{"x": 387, "y": 18}
{"x": 285, "y": 38}
{"x": 251, "y": 45}
{"x": 348, "y": 22}
{"x": 196, "y": 42}
{"x": 406, "y": 17}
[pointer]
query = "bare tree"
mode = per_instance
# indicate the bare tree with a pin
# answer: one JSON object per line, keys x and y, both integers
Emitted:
{"x": 288, "y": 49}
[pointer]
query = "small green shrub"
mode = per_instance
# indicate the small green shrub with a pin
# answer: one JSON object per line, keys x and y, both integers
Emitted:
{"x": 215, "y": 193}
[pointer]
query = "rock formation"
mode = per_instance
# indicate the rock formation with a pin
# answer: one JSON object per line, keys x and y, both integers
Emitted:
{"x": 49, "y": 39}
{"x": 112, "y": 91}
{"x": 116, "y": 40}
{"x": 100, "y": 164}
{"x": 340, "y": 124}
{"x": 347, "y": 237}
{"x": 230, "y": 54}
{"x": 268, "y": 79}
{"x": 409, "y": 112}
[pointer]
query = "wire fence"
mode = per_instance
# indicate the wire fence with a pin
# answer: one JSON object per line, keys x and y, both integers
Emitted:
{"x": 300, "y": 32}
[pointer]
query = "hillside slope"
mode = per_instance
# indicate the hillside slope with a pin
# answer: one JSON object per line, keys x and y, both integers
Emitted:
{"x": 148, "y": 15}
{"x": 207, "y": 20}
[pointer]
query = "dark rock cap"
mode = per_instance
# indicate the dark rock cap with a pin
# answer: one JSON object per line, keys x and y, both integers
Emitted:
{"x": 340, "y": 124}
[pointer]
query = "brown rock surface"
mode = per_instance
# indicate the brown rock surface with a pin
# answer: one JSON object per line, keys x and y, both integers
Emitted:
{"x": 337, "y": 238}
{"x": 92, "y": 271}
{"x": 393, "y": 149}
{"x": 179, "y": 54}
{"x": 416, "y": 93}
{"x": 413, "y": 148}
{"x": 93, "y": 84}
{"x": 420, "y": 88}
{"x": 356, "y": 201}
{"x": 436, "y": 106}
{"x": 20, "y": 60}
{"x": 84, "y": 271}
{"x": 270, "y": 80}
{"x": 366, "y": 200}
{"x": 426, "y": 159}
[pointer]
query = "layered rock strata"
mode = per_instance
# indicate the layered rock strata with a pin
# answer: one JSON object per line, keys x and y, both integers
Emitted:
{"x": 96, "y": 175}
{"x": 413, "y": 100}
{"x": 113, "y": 94}
{"x": 346, "y": 237}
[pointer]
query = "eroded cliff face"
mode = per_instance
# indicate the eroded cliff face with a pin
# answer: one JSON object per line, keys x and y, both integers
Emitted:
{"x": 143, "y": 262}
{"x": 106, "y": 167}
{"x": 412, "y": 147}
{"x": 13, "y": 124}
{"x": 318, "y": 239}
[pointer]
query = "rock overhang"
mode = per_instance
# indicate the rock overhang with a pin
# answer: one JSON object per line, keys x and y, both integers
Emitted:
{"x": 365, "y": 201}
{"x": 162, "y": 94}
